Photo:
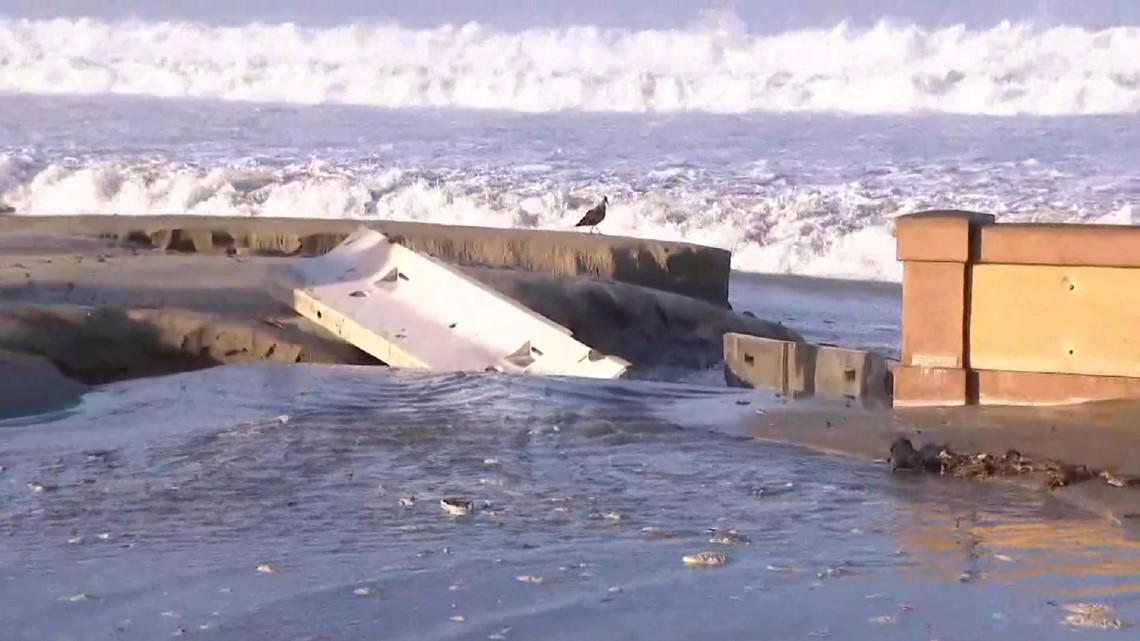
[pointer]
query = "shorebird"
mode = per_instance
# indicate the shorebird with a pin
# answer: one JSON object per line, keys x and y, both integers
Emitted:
{"x": 596, "y": 215}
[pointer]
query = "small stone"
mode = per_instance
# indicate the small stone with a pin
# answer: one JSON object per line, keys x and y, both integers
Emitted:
{"x": 726, "y": 536}
{"x": 705, "y": 559}
{"x": 781, "y": 568}
{"x": 829, "y": 573}
{"x": 265, "y": 568}
{"x": 407, "y": 501}
{"x": 457, "y": 507}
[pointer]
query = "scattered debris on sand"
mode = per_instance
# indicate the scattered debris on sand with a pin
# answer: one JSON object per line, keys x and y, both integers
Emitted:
{"x": 726, "y": 536}
{"x": 1091, "y": 615}
{"x": 612, "y": 517}
{"x": 940, "y": 459}
{"x": 705, "y": 559}
{"x": 457, "y": 507}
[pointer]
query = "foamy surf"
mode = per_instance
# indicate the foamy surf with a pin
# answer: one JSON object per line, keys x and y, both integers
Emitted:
{"x": 840, "y": 231}
{"x": 714, "y": 66}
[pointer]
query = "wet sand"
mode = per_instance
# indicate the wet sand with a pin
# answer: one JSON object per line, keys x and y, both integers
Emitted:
{"x": 1097, "y": 435}
{"x": 866, "y": 316}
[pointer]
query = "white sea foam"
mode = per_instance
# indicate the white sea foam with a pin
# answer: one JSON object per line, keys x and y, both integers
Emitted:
{"x": 714, "y": 66}
{"x": 842, "y": 231}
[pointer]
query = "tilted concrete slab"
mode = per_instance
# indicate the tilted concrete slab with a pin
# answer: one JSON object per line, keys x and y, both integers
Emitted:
{"x": 805, "y": 369}
{"x": 413, "y": 311}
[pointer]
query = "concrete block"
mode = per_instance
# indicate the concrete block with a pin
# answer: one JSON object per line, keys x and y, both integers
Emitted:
{"x": 412, "y": 311}
{"x": 804, "y": 369}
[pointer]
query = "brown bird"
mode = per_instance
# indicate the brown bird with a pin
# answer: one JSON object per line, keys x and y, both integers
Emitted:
{"x": 595, "y": 215}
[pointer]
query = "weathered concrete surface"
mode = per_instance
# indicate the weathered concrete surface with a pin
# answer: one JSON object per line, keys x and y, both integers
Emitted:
{"x": 802, "y": 370}
{"x": 31, "y": 384}
{"x": 639, "y": 324}
{"x": 642, "y": 325}
{"x": 97, "y": 345}
{"x": 1098, "y": 435}
{"x": 691, "y": 270}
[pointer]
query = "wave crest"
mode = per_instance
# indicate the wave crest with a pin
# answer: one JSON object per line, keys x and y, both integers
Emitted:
{"x": 714, "y": 66}
{"x": 841, "y": 231}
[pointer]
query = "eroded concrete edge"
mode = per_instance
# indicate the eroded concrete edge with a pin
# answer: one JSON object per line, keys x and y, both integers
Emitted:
{"x": 96, "y": 345}
{"x": 688, "y": 269}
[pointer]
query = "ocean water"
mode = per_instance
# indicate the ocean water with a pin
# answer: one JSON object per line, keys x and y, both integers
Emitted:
{"x": 262, "y": 502}
{"x": 792, "y": 133}
{"x": 793, "y": 146}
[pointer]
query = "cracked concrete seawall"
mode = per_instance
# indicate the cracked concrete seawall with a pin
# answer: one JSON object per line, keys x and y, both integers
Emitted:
{"x": 103, "y": 310}
{"x": 95, "y": 345}
{"x": 682, "y": 268}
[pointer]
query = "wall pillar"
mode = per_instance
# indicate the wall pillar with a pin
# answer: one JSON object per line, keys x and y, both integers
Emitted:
{"x": 936, "y": 249}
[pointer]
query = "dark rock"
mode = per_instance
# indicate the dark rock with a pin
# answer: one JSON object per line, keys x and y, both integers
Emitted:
{"x": 31, "y": 384}
{"x": 905, "y": 458}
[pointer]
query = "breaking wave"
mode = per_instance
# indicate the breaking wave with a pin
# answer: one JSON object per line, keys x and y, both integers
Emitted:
{"x": 713, "y": 66}
{"x": 839, "y": 231}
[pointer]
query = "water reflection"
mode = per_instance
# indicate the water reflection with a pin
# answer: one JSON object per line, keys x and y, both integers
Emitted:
{"x": 197, "y": 480}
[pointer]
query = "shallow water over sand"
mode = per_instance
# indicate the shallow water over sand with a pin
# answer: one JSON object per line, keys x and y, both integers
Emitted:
{"x": 161, "y": 498}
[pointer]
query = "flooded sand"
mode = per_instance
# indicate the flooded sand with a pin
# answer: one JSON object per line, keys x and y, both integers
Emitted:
{"x": 262, "y": 502}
